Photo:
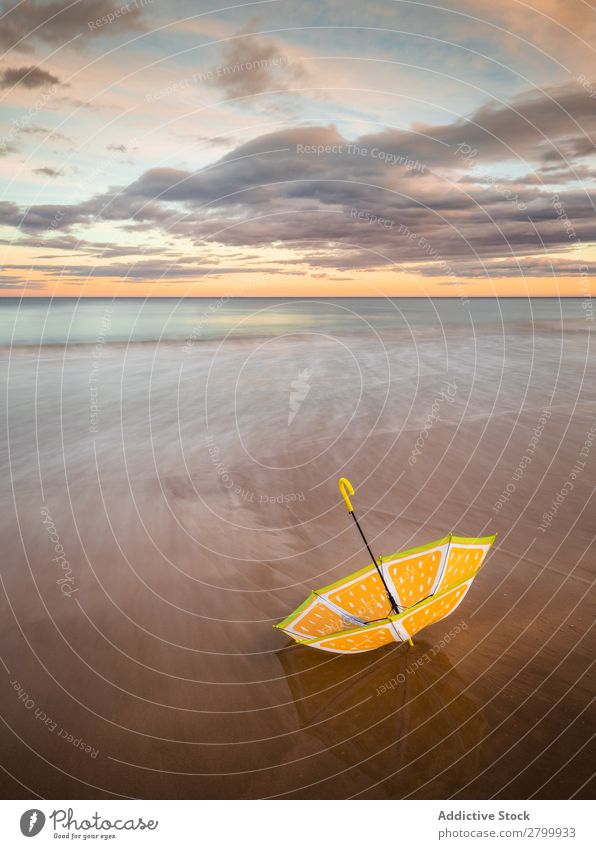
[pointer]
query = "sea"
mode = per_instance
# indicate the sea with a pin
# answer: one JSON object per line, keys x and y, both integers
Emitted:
{"x": 57, "y": 321}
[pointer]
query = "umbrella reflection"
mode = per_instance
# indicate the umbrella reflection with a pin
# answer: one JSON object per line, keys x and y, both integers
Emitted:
{"x": 403, "y": 724}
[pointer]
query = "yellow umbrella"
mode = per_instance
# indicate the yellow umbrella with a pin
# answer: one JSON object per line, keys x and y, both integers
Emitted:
{"x": 389, "y": 600}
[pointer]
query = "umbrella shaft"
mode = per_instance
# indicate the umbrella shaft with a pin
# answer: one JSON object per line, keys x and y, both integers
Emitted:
{"x": 389, "y": 596}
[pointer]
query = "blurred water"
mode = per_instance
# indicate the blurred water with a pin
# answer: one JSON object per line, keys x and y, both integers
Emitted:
{"x": 35, "y": 321}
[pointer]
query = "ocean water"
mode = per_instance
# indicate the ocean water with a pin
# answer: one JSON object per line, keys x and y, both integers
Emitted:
{"x": 46, "y": 321}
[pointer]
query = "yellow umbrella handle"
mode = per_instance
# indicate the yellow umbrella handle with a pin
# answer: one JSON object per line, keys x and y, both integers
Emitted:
{"x": 346, "y": 489}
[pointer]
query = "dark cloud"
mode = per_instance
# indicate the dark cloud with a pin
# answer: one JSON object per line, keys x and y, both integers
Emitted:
{"x": 252, "y": 64}
{"x": 10, "y": 214}
{"x": 537, "y": 126}
{"x": 8, "y": 282}
{"x": 36, "y": 130}
{"x": 379, "y": 200}
{"x": 7, "y": 146}
{"x": 17, "y": 136}
{"x": 141, "y": 270}
{"x": 59, "y": 21}
{"x": 523, "y": 266}
{"x": 116, "y": 148}
{"x": 51, "y": 135}
{"x": 62, "y": 242}
{"x": 215, "y": 141}
{"x": 28, "y": 76}
{"x": 113, "y": 206}
{"x": 46, "y": 171}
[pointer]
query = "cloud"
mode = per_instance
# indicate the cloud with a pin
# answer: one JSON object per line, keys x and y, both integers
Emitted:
{"x": 214, "y": 141}
{"x": 17, "y": 136}
{"x": 252, "y": 64}
{"x": 7, "y": 146}
{"x": 46, "y": 171}
{"x": 10, "y": 214}
{"x": 29, "y": 77}
{"x": 142, "y": 270}
{"x": 523, "y": 266}
{"x": 51, "y": 135}
{"x": 59, "y": 21}
{"x": 9, "y": 282}
{"x": 313, "y": 190}
{"x": 537, "y": 126}
{"x": 117, "y": 148}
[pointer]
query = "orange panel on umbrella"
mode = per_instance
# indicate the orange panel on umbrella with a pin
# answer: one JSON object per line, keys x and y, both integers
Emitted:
{"x": 432, "y": 611}
{"x": 316, "y": 618}
{"x": 364, "y": 597}
{"x": 357, "y": 640}
{"x": 463, "y": 561}
{"x": 414, "y": 577}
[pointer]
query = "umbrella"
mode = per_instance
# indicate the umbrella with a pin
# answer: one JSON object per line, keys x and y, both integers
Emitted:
{"x": 391, "y": 599}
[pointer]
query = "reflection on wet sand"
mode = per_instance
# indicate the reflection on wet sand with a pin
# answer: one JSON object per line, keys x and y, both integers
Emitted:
{"x": 412, "y": 724}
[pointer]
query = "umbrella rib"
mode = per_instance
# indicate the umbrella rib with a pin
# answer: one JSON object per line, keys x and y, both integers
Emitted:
{"x": 392, "y": 601}
{"x": 340, "y": 610}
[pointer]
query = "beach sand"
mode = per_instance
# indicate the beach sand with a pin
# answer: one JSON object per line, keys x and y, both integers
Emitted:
{"x": 190, "y": 516}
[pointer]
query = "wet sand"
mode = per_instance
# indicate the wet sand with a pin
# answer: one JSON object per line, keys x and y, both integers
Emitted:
{"x": 190, "y": 516}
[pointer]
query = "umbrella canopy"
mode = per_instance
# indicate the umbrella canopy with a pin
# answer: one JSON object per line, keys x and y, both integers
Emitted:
{"x": 391, "y": 599}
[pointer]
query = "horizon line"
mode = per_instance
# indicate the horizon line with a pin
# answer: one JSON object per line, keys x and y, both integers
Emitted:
{"x": 294, "y": 297}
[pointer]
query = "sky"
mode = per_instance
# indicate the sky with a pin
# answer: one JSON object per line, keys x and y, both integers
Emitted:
{"x": 386, "y": 147}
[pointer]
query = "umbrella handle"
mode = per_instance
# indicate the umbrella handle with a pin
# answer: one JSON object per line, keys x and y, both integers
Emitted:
{"x": 346, "y": 489}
